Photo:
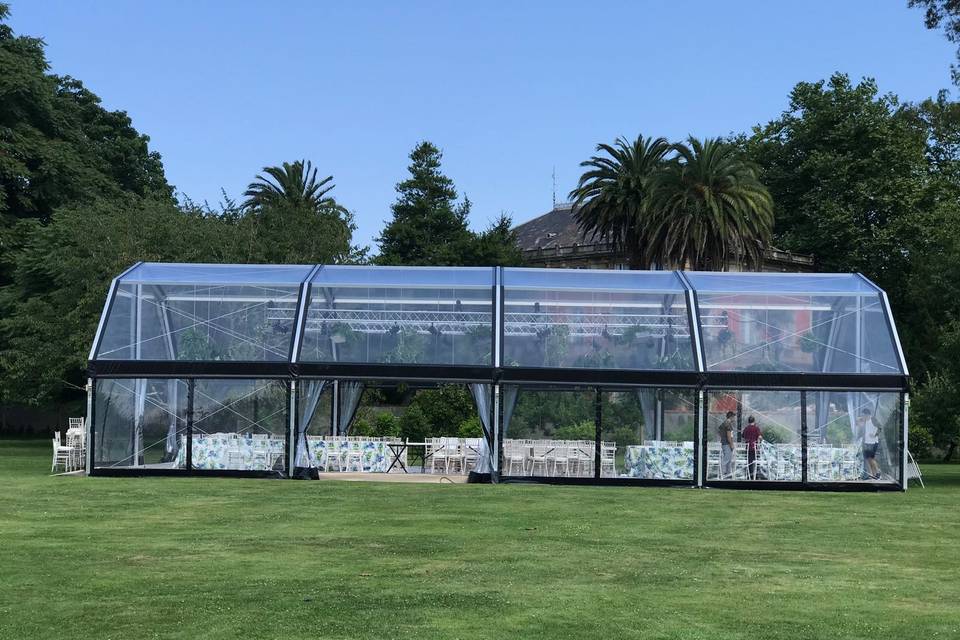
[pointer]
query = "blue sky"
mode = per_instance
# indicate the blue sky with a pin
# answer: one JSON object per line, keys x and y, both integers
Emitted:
{"x": 508, "y": 90}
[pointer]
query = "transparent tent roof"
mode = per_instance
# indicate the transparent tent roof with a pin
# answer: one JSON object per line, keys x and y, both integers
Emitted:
{"x": 745, "y": 282}
{"x": 596, "y": 319}
{"x": 220, "y": 274}
{"x": 202, "y": 312}
{"x": 794, "y": 322}
{"x": 400, "y": 315}
{"x": 539, "y": 318}
{"x": 592, "y": 279}
{"x": 351, "y": 275}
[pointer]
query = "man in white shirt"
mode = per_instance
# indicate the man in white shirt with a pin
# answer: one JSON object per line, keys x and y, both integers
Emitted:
{"x": 871, "y": 440}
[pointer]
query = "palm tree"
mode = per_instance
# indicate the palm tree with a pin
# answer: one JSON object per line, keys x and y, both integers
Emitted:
{"x": 705, "y": 207}
{"x": 610, "y": 197}
{"x": 293, "y": 184}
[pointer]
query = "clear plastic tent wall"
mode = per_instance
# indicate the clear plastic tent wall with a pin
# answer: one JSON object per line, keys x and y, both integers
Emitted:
{"x": 400, "y": 315}
{"x": 830, "y": 323}
{"x": 202, "y": 312}
{"x": 252, "y": 369}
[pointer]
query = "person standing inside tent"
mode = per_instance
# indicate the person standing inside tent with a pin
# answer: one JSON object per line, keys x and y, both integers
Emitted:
{"x": 752, "y": 435}
{"x": 726, "y": 446}
{"x": 871, "y": 441}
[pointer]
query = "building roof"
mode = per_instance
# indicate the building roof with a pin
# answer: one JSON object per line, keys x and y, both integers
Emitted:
{"x": 556, "y": 228}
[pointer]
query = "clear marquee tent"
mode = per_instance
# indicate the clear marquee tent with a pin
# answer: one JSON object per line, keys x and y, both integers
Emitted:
{"x": 187, "y": 351}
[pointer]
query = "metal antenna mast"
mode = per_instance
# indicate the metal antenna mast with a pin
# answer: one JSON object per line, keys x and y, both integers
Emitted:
{"x": 554, "y": 176}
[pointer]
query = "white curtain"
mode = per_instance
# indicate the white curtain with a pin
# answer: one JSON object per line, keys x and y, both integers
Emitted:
{"x": 509, "y": 403}
{"x": 852, "y": 413}
{"x": 350, "y": 393}
{"x": 172, "y": 446}
{"x": 311, "y": 395}
{"x": 648, "y": 405}
{"x": 483, "y": 397}
{"x": 140, "y": 399}
{"x": 822, "y": 416}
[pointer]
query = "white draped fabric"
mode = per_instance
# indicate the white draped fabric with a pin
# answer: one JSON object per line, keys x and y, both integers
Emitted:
{"x": 350, "y": 393}
{"x": 172, "y": 444}
{"x": 311, "y": 394}
{"x": 483, "y": 397}
{"x": 648, "y": 405}
{"x": 140, "y": 401}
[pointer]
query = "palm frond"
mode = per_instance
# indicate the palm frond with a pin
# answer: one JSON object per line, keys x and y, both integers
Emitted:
{"x": 610, "y": 195}
{"x": 291, "y": 184}
{"x": 707, "y": 207}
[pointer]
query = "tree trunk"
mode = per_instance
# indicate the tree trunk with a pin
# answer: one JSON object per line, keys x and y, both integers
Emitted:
{"x": 950, "y": 450}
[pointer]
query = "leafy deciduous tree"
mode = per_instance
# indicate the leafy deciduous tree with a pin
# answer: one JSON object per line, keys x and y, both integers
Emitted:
{"x": 58, "y": 145}
{"x": 943, "y": 14}
{"x": 850, "y": 177}
{"x": 61, "y": 279}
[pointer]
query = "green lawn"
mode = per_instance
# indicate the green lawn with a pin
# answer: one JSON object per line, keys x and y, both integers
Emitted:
{"x": 225, "y": 558}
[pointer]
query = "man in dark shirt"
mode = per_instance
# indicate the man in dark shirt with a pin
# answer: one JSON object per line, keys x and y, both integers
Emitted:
{"x": 752, "y": 435}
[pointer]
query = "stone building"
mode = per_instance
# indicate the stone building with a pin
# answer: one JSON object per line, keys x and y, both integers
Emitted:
{"x": 554, "y": 240}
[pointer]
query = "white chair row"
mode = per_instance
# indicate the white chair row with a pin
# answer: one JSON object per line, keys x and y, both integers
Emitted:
{"x": 784, "y": 463}
{"x": 452, "y": 455}
{"x": 739, "y": 466}
{"x": 354, "y": 438}
{"x": 241, "y": 436}
{"x": 558, "y": 458}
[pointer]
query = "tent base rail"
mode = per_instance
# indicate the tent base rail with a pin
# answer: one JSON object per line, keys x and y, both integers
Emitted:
{"x": 185, "y": 473}
{"x": 840, "y": 487}
{"x": 598, "y": 482}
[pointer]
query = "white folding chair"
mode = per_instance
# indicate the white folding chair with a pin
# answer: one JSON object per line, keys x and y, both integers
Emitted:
{"x": 740, "y": 466}
{"x": 516, "y": 458}
{"x": 354, "y": 457}
{"x": 437, "y": 453}
{"x": 61, "y": 455}
{"x": 332, "y": 456}
{"x": 454, "y": 455}
{"x": 559, "y": 460}
{"x": 573, "y": 459}
{"x": 585, "y": 453}
{"x": 608, "y": 459}
{"x": 235, "y": 459}
{"x": 471, "y": 447}
{"x": 538, "y": 457}
{"x": 713, "y": 461}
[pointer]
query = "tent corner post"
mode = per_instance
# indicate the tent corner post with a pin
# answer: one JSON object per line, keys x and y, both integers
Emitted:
{"x": 88, "y": 436}
{"x": 291, "y": 426}
{"x": 700, "y": 441}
